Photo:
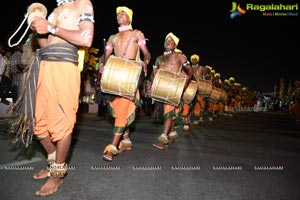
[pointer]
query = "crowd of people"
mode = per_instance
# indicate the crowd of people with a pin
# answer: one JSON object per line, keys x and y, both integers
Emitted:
{"x": 194, "y": 93}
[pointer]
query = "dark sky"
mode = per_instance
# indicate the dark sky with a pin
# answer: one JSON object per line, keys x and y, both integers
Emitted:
{"x": 255, "y": 49}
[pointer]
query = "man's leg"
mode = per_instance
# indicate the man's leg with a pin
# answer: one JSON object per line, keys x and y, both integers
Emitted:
{"x": 111, "y": 149}
{"x": 50, "y": 149}
{"x": 125, "y": 144}
{"x": 173, "y": 135}
{"x": 59, "y": 168}
{"x": 162, "y": 140}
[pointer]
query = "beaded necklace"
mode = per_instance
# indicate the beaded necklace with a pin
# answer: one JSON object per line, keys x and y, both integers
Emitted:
{"x": 168, "y": 52}
{"x": 125, "y": 28}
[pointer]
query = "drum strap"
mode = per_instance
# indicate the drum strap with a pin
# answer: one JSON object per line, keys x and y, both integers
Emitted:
{"x": 126, "y": 47}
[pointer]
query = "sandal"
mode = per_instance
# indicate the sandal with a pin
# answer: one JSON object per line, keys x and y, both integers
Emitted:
{"x": 160, "y": 145}
{"x": 125, "y": 145}
{"x": 162, "y": 142}
{"x": 109, "y": 151}
{"x": 108, "y": 156}
{"x": 172, "y": 137}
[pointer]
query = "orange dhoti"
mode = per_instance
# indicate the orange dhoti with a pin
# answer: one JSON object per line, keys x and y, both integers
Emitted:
{"x": 186, "y": 114}
{"x": 123, "y": 110}
{"x": 186, "y": 110}
{"x": 170, "y": 111}
{"x": 221, "y": 107}
{"x": 199, "y": 106}
{"x": 57, "y": 98}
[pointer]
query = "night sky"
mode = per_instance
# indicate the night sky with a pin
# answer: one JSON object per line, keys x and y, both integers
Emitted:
{"x": 257, "y": 50}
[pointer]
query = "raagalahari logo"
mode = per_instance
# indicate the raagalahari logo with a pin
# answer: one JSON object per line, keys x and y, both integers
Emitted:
{"x": 278, "y": 9}
{"x": 236, "y": 10}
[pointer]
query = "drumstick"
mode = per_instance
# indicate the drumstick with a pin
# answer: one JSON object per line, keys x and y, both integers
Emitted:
{"x": 104, "y": 50}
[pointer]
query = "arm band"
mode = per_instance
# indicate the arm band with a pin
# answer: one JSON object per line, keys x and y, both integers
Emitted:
{"x": 86, "y": 17}
{"x": 186, "y": 63}
{"x": 142, "y": 42}
{"x": 108, "y": 46}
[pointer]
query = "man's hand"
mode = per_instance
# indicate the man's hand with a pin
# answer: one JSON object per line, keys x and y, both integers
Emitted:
{"x": 146, "y": 62}
{"x": 101, "y": 68}
{"x": 40, "y": 25}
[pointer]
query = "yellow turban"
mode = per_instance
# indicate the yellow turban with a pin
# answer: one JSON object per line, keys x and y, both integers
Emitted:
{"x": 231, "y": 79}
{"x": 217, "y": 75}
{"x": 177, "y": 50}
{"x": 128, "y": 11}
{"x": 209, "y": 67}
{"x": 195, "y": 56}
{"x": 176, "y": 39}
{"x": 212, "y": 71}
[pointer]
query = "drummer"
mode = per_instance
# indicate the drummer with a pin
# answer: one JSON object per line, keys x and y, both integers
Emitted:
{"x": 210, "y": 104}
{"x": 219, "y": 105}
{"x": 126, "y": 44}
{"x": 199, "y": 73}
{"x": 172, "y": 60}
{"x": 187, "y": 110}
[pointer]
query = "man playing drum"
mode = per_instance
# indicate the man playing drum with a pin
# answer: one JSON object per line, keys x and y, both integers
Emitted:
{"x": 174, "y": 61}
{"x": 217, "y": 82}
{"x": 187, "y": 110}
{"x": 211, "y": 101}
{"x": 125, "y": 44}
{"x": 200, "y": 74}
{"x": 218, "y": 104}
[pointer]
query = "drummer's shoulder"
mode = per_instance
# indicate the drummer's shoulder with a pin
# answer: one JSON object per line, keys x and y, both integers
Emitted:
{"x": 138, "y": 32}
{"x": 81, "y": 3}
{"x": 112, "y": 37}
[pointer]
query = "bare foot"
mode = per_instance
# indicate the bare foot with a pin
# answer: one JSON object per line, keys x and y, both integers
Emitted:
{"x": 50, "y": 187}
{"x": 41, "y": 174}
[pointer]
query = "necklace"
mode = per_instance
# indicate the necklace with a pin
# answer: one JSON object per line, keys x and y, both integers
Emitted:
{"x": 168, "y": 52}
{"x": 62, "y": 2}
{"x": 125, "y": 28}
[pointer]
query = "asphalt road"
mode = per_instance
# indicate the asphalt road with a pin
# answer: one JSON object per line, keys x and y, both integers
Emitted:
{"x": 250, "y": 156}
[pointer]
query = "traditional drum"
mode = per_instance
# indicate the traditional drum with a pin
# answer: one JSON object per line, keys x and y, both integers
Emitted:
{"x": 223, "y": 96}
{"x": 120, "y": 77}
{"x": 215, "y": 94}
{"x": 190, "y": 92}
{"x": 167, "y": 87}
{"x": 204, "y": 87}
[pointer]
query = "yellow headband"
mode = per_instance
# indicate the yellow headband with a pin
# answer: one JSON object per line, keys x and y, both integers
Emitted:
{"x": 232, "y": 79}
{"x": 128, "y": 11}
{"x": 217, "y": 75}
{"x": 176, "y": 39}
{"x": 195, "y": 56}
